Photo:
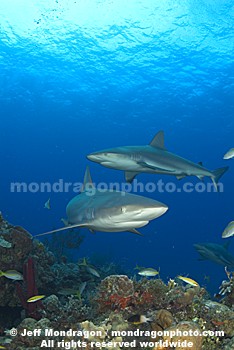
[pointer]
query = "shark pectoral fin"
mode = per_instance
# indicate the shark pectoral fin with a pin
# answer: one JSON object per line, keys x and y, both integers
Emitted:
{"x": 130, "y": 175}
{"x": 158, "y": 140}
{"x": 133, "y": 230}
{"x": 216, "y": 175}
{"x": 59, "y": 229}
{"x": 180, "y": 177}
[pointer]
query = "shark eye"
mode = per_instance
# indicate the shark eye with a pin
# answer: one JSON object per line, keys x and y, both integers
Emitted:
{"x": 123, "y": 209}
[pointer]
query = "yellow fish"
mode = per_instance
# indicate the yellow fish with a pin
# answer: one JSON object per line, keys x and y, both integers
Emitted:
{"x": 189, "y": 281}
{"x": 12, "y": 275}
{"x": 35, "y": 298}
{"x": 229, "y": 230}
{"x": 229, "y": 154}
{"x": 2, "y": 347}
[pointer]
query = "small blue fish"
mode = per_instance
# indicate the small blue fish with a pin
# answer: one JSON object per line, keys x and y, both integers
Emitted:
{"x": 47, "y": 204}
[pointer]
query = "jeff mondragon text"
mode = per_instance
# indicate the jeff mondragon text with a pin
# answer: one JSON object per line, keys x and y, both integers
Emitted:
{"x": 50, "y": 332}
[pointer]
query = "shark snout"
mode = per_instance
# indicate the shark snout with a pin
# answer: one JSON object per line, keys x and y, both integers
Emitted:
{"x": 108, "y": 159}
{"x": 162, "y": 210}
{"x": 158, "y": 210}
{"x": 103, "y": 157}
{"x": 151, "y": 212}
{"x": 199, "y": 248}
{"x": 95, "y": 157}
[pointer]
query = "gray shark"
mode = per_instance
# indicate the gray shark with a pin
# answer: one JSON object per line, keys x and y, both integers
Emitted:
{"x": 216, "y": 253}
{"x": 109, "y": 211}
{"x": 154, "y": 159}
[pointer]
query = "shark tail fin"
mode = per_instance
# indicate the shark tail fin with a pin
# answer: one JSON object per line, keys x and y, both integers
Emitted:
{"x": 58, "y": 230}
{"x": 217, "y": 174}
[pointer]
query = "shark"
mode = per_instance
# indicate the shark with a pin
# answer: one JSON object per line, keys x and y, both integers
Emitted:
{"x": 109, "y": 210}
{"x": 215, "y": 252}
{"x": 154, "y": 159}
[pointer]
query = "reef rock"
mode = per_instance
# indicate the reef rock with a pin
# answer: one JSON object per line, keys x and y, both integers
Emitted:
{"x": 101, "y": 335}
{"x": 221, "y": 316}
{"x": 19, "y": 246}
{"x": 186, "y": 328}
{"x": 117, "y": 284}
{"x": 29, "y": 342}
{"x": 115, "y": 292}
{"x": 13, "y": 253}
{"x": 230, "y": 345}
{"x": 164, "y": 318}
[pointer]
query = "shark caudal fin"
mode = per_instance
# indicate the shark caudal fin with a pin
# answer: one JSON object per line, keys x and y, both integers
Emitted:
{"x": 217, "y": 174}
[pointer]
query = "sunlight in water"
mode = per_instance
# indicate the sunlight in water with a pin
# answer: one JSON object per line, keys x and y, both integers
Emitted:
{"x": 112, "y": 22}
{"x": 28, "y": 18}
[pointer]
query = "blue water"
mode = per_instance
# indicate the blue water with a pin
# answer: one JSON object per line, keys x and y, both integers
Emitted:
{"x": 80, "y": 76}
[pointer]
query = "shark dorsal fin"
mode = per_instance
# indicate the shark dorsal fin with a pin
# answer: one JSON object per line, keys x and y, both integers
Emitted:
{"x": 88, "y": 183}
{"x": 158, "y": 140}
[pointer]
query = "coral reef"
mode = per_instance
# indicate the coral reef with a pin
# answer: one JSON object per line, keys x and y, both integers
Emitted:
{"x": 41, "y": 274}
{"x": 19, "y": 243}
{"x": 67, "y": 313}
{"x": 163, "y": 318}
{"x": 115, "y": 292}
{"x": 221, "y": 317}
{"x": 118, "y": 292}
{"x": 102, "y": 308}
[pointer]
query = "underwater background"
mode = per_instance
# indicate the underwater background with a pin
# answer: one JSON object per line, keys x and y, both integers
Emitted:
{"x": 81, "y": 76}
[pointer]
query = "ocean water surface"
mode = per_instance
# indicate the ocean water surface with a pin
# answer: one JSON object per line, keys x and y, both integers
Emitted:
{"x": 81, "y": 76}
